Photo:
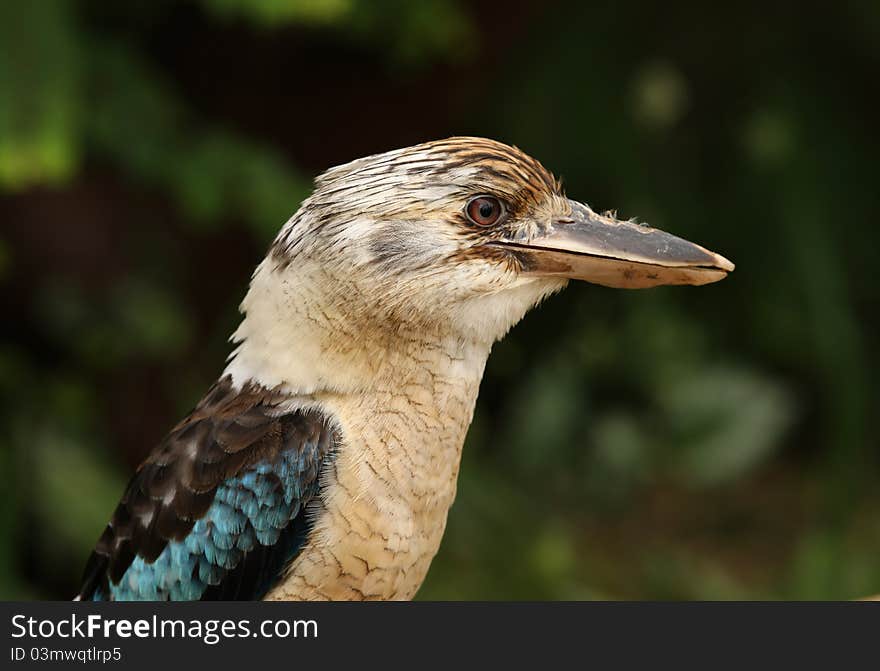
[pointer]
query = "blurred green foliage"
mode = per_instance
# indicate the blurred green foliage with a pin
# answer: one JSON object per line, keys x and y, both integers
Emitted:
{"x": 712, "y": 443}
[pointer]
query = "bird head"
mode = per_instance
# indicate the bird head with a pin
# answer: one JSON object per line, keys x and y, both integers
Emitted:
{"x": 467, "y": 234}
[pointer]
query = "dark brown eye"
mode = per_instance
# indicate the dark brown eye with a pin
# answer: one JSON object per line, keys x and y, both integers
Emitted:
{"x": 484, "y": 210}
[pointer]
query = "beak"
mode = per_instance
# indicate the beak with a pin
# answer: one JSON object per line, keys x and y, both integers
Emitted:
{"x": 621, "y": 254}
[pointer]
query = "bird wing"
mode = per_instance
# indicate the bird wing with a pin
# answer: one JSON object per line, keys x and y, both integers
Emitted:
{"x": 218, "y": 509}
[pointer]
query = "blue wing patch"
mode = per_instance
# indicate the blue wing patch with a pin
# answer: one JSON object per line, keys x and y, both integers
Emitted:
{"x": 250, "y": 510}
{"x": 218, "y": 509}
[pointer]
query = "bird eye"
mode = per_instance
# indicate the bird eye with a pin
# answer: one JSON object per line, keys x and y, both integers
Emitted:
{"x": 484, "y": 210}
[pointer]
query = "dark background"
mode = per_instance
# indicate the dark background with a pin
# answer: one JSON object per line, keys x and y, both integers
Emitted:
{"x": 682, "y": 443}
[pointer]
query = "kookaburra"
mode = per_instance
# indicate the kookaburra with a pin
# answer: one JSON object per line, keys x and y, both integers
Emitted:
{"x": 323, "y": 462}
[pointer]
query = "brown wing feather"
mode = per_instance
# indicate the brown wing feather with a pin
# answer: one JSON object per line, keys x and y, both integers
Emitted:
{"x": 228, "y": 431}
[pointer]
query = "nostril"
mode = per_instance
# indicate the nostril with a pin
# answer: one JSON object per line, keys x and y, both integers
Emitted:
{"x": 565, "y": 220}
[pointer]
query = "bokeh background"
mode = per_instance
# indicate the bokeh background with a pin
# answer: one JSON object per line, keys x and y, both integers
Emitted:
{"x": 713, "y": 443}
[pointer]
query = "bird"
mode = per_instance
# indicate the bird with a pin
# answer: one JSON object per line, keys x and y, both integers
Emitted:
{"x": 323, "y": 462}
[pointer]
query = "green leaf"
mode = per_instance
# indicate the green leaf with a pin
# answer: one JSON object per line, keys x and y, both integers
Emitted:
{"x": 40, "y": 92}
